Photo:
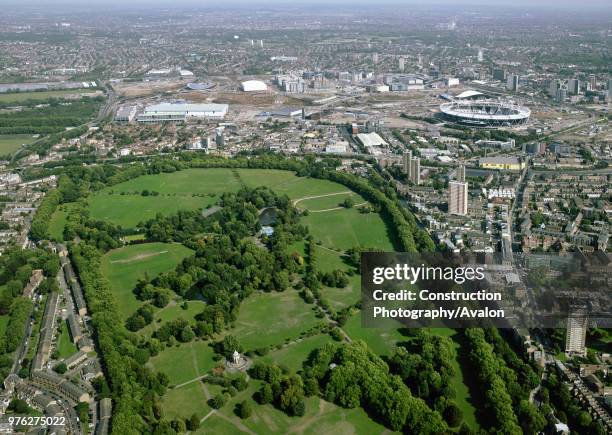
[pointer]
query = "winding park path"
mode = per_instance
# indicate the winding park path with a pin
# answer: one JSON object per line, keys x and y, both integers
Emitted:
{"x": 344, "y": 192}
{"x": 296, "y": 201}
{"x": 337, "y": 208}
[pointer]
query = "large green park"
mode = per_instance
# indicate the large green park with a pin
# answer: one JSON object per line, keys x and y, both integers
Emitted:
{"x": 280, "y": 322}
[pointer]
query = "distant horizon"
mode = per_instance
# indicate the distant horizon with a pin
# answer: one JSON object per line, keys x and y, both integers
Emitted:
{"x": 177, "y": 4}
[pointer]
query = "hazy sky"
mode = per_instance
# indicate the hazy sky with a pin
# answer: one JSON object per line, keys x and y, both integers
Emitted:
{"x": 582, "y": 4}
{"x": 600, "y": 8}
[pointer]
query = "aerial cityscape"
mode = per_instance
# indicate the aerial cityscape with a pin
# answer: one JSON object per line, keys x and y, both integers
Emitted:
{"x": 294, "y": 218}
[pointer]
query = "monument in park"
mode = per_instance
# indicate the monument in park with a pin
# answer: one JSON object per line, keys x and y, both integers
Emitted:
{"x": 237, "y": 362}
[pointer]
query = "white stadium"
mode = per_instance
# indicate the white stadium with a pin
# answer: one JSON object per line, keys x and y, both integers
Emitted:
{"x": 253, "y": 86}
{"x": 485, "y": 113}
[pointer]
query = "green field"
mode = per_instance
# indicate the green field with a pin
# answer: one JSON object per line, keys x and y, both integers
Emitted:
{"x": 294, "y": 354}
{"x": 327, "y": 202}
{"x": 9, "y": 143}
{"x": 124, "y": 266}
{"x": 346, "y": 228}
{"x": 321, "y": 417}
{"x": 65, "y": 346}
{"x": 286, "y": 182}
{"x": 190, "y": 399}
{"x": 176, "y": 193}
{"x": 264, "y": 319}
{"x": 382, "y": 341}
{"x": 177, "y": 190}
{"x": 18, "y": 97}
{"x": 269, "y": 318}
{"x": 184, "y": 362}
{"x": 173, "y": 311}
{"x": 58, "y": 221}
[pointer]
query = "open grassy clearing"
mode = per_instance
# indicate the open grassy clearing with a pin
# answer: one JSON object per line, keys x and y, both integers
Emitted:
{"x": 294, "y": 354}
{"x": 190, "y": 399}
{"x": 184, "y": 362}
{"x": 9, "y": 143}
{"x": 328, "y": 261}
{"x": 322, "y": 203}
{"x": 65, "y": 346}
{"x": 346, "y": 228}
{"x": 17, "y": 97}
{"x": 173, "y": 311}
{"x": 381, "y": 341}
{"x": 269, "y": 318}
{"x": 58, "y": 221}
{"x": 320, "y": 417}
{"x": 286, "y": 182}
{"x": 176, "y": 192}
{"x": 124, "y": 266}
{"x": 340, "y": 298}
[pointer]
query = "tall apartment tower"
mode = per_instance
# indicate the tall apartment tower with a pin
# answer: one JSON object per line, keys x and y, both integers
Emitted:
{"x": 513, "y": 83}
{"x": 219, "y": 137}
{"x": 460, "y": 174}
{"x": 499, "y": 74}
{"x": 375, "y": 57}
{"x": 458, "y": 198}
{"x": 552, "y": 89}
{"x": 575, "y": 337}
{"x": 573, "y": 87}
{"x": 401, "y": 64}
{"x": 406, "y": 162}
{"x": 415, "y": 170}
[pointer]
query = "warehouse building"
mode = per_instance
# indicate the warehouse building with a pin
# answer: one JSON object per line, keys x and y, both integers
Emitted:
{"x": 253, "y": 86}
{"x": 125, "y": 114}
{"x": 180, "y": 112}
{"x": 507, "y": 163}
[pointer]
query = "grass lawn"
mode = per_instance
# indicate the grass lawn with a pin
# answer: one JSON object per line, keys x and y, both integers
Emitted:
{"x": 124, "y": 266}
{"x": 381, "y": 341}
{"x": 176, "y": 192}
{"x": 173, "y": 311}
{"x": 343, "y": 297}
{"x": 294, "y": 354}
{"x": 286, "y": 182}
{"x": 184, "y": 362}
{"x": 463, "y": 396}
{"x": 9, "y": 143}
{"x": 321, "y": 417}
{"x": 346, "y": 228}
{"x": 18, "y": 97}
{"x": 190, "y": 399}
{"x": 315, "y": 205}
{"x": 65, "y": 346}
{"x": 58, "y": 221}
{"x": 269, "y": 318}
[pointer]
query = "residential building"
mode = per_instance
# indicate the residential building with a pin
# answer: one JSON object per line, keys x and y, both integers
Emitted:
{"x": 458, "y": 198}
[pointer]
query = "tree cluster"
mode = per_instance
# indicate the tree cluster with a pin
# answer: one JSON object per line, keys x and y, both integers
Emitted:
{"x": 351, "y": 375}
{"x": 491, "y": 372}
{"x": 285, "y": 392}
